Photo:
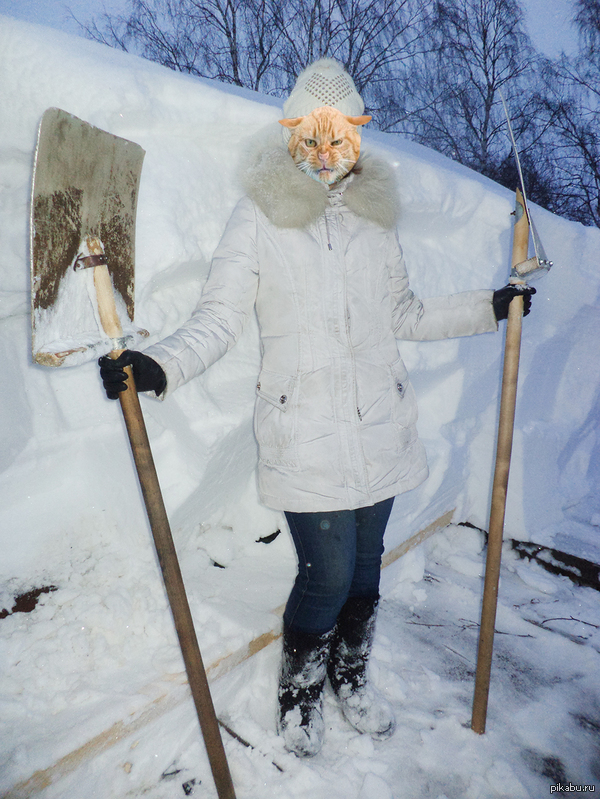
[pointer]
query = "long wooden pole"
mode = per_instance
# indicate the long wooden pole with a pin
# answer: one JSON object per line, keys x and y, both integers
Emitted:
{"x": 163, "y": 540}
{"x": 512, "y": 349}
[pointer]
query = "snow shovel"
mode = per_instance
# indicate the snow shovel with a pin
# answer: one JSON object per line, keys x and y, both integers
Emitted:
{"x": 82, "y": 235}
{"x": 523, "y": 269}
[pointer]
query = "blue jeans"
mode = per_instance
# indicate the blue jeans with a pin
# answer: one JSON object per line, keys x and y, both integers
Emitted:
{"x": 339, "y": 556}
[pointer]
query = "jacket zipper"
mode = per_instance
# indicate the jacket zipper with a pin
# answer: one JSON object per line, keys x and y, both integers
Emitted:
{"x": 347, "y": 320}
{"x": 353, "y": 363}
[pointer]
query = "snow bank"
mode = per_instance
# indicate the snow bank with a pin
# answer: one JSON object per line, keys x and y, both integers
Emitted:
{"x": 59, "y": 432}
{"x": 70, "y": 509}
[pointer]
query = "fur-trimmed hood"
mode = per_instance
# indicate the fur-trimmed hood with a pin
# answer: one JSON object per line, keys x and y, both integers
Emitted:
{"x": 291, "y": 199}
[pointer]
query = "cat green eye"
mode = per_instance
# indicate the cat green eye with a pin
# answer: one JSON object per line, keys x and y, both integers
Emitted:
{"x": 310, "y": 142}
{"x": 337, "y": 142}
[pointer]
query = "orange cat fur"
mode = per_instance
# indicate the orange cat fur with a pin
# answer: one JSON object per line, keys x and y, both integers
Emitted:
{"x": 325, "y": 144}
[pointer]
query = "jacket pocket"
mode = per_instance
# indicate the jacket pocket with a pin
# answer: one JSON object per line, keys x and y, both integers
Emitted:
{"x": 275, "y": 413}
{"x": 404, "y": 402}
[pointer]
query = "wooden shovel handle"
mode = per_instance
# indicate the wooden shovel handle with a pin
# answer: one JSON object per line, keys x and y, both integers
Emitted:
{"x": 173, "y": 580}
{"x": 508, "y": 398}
{"x": 165, "y": 547}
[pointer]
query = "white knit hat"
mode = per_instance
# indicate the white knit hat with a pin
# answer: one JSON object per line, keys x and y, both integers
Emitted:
{"x": 325, "y": 82}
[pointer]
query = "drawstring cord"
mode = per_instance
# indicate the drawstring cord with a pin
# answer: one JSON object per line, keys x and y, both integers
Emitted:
{"x": 327, "y": 229}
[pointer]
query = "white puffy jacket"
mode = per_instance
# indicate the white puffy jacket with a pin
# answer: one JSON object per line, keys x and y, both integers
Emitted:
{"x": 335, "y": 412}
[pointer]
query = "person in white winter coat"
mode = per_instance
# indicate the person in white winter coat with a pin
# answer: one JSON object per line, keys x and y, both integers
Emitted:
{"x": 335, "y": 414}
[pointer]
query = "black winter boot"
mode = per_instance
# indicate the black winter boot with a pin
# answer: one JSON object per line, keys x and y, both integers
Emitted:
{"x": 361, "y": 703}
{"x": 303, "y": 673}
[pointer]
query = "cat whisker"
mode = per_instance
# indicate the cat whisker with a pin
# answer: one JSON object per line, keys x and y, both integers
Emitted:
{"x": 304, "y": 166}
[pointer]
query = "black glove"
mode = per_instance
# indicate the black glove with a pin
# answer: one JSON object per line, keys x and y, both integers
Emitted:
{"x": 502, "y": 298}
{"x": 148, "y": 375}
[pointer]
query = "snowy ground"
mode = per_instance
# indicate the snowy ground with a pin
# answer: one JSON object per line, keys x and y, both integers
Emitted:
{"x": 543, "y": 725}
{"x": 91, "y": 682}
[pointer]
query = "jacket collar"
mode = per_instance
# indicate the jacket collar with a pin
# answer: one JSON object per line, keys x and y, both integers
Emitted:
{"x": 291, "y": 199}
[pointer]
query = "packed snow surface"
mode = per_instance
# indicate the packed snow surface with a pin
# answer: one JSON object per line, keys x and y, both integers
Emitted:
{"x": 98, "y": 652}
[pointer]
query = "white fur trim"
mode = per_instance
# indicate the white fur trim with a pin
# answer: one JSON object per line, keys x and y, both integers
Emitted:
{"x": 290, "y": 199}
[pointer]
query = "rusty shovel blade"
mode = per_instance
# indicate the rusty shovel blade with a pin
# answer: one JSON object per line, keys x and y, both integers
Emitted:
{"x": 85, "y": 184}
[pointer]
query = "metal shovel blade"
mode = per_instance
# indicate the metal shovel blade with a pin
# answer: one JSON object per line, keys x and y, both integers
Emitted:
{"x": 85, "y": 184}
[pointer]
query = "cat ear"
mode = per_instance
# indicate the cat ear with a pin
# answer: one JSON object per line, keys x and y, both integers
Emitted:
{"x": 359, "y": 120}
{"x": 291, "y": 123}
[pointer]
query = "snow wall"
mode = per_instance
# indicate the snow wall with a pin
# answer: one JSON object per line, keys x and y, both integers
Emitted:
{"x": 67, "y": 486}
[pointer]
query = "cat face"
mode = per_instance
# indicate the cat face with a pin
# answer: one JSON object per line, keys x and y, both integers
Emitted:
{"x": 325, "y": 144}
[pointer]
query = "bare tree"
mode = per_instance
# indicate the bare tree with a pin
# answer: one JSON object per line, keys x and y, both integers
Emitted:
{"x": 264, "y": 44}
{"x": 372, "y": 38}
{"x": 239, "y": 38}
{"x": 572, "y": 103}
{"x": 234, "y": 41}
{"x": 587, "y": 18}
{"x": 480, "y": 49}
{"x": 151, "y": 30}
{"x": 432, "y": 70}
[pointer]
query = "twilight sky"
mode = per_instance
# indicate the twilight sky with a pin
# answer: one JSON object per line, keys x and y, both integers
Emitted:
{"x": 548, "y": 21}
